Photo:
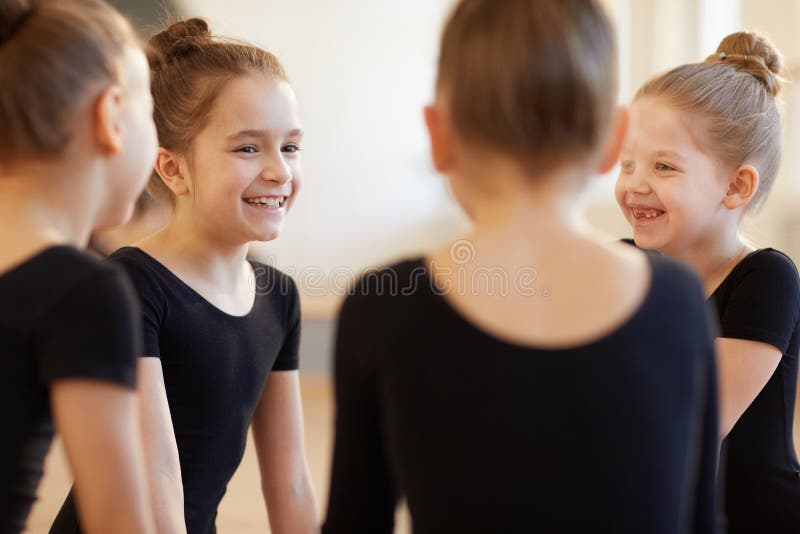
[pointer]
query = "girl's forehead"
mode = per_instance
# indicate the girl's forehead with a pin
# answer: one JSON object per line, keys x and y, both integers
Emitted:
{"x": 654, "y": 122}
{"x": 255, "y": 102}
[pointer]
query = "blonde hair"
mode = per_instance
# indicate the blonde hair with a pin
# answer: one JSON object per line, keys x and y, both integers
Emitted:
{"x": 733, "y": 93}
{"x": 533, "y": 79}
{"x": 51, "y": 53}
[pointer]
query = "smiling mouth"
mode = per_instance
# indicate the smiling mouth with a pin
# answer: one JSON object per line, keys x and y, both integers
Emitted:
{"x": 267, "y": 202}
{"x": 646, "y": 214}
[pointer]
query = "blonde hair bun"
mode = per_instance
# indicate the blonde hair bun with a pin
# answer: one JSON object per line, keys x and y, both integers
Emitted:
{"x": 751, "y": 53}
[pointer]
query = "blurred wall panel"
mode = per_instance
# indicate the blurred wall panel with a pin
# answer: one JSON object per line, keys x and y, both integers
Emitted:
{"x": 146, "y": 14}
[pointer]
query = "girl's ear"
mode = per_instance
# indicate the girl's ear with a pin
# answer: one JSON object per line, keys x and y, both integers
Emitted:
{"x": 742, "y": 187}
{"x": 170, "y": 167}
{"x": 619, "y": 129}
{"x": 107, "y": 113}
{"x": 441, "y": 138}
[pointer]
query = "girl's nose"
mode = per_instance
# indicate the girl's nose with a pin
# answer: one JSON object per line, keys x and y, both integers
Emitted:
{"x": 277, "y": 170}
{"x": 636, "y": 182}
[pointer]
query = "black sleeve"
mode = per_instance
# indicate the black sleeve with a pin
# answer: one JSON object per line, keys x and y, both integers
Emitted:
{"x": 150, "y": 297}
{"x": 706, "y": 503}
{"x": 362, "y": 494}
{"x": 764, "y": 303}
{"x": 93, "y": 331}
{"x": 288, "y": 359}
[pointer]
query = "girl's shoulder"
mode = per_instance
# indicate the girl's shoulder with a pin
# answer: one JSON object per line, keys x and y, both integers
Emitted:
{"x": 62, "y": 281}
{"x": 402, "y": 278}
{"x": 766, "y": 275}
{"x": 56, "y": 262}
{"x": 148, "y": 275}
{"x": 55, "y": 271}
{"x": 764, "y": 268}
{"x": 137, "y": 262}
{"x": 772, "y": 260}
{"x": 273, "y": 283}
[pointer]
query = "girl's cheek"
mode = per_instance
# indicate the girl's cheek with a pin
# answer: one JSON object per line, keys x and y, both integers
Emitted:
{"x": 619, "y": 190}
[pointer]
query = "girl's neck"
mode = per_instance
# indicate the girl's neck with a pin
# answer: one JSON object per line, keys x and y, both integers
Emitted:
{"x": 535, "y": 218}
{"x": 713, "y": 256}
{"x": 197, "y": 255}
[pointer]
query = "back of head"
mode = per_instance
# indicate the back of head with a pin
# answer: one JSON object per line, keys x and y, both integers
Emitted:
{"x": 731, "y": 97}
{"x": 52, "y": 53}
{"x": 534, "y": 79}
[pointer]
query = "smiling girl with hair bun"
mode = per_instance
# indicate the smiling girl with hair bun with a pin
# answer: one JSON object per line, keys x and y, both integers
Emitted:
{"x": 703, "y": 150}
{"x": 221, "y": 332}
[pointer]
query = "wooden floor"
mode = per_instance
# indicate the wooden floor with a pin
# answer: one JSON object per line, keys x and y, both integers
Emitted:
{"x": 242, "y": 510}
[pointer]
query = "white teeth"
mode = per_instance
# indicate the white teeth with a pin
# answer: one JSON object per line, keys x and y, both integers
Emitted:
{"x": 650, "y": 214}
{"x": 270, "y": 202}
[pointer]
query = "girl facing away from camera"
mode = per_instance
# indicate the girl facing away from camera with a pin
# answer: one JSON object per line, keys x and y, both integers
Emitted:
{"x": 703, "y": 151}
{"x": 77, "y": 142}
{"x": 221, "y": 333}
{"x": 582, "y": 402}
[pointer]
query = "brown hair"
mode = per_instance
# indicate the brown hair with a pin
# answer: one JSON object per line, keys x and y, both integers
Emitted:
{"x": 734, "y": 93}
{"x": 533, "y": 79}
{"x": 189, "y": 69}
{"x": 51, "y": 53}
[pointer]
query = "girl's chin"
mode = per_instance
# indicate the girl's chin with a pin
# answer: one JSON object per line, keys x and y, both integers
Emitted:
{"x": 648, "y": 242}
{"x": 266, "y": 234}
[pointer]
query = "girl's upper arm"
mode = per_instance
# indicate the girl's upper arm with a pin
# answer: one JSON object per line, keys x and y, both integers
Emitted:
{"x": 745, "y": 367}
{"x": 104, "y": 453}
{"x": 157, "y": 431}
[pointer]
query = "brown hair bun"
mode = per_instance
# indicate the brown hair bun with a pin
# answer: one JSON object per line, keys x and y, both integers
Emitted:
{"x": 179, "y": 39}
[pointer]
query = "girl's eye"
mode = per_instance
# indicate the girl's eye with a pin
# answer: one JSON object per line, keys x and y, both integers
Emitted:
{"x": 291, "y": 149}
{"x": 663, "y": 167}
{"x": 628, "y": 166}
{"x": 249, "y": 149}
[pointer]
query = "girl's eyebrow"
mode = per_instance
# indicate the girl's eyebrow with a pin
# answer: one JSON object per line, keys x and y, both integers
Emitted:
{"x": 296, "y": 132}
{"x": 668, "y": 154}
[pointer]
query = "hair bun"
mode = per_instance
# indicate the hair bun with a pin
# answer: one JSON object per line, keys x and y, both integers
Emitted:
{"x": 13, "y": 14}
{"x": 178, "y": 40}
{"x": 753, "y": 54}
{"x": 189, "y": 28}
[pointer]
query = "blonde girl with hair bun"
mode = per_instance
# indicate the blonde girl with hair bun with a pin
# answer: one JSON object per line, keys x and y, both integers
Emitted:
{"x": 703, "y": 150}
